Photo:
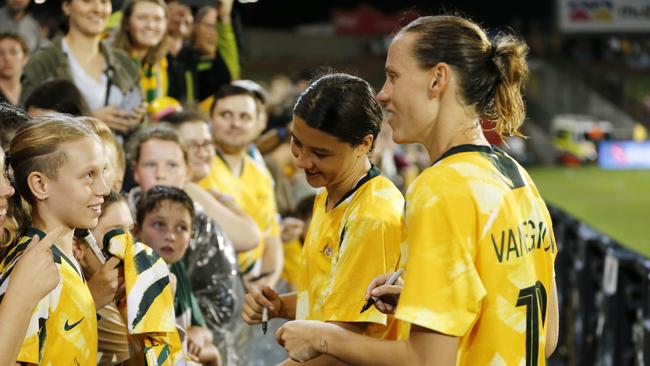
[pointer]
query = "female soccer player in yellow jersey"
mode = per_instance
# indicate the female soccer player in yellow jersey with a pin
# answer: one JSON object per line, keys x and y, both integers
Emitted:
{"x": 479, "y": 286}
{"x": 355, "y": 230}
{"x": 58, "y": 164}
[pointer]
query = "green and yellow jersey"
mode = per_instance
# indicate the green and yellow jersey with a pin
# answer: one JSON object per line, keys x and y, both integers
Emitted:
{"x": 63, "y": 328}
{"x": 253, "y": 192}
{"x": 346, "y": 248}
{"x": 480, "y": 257}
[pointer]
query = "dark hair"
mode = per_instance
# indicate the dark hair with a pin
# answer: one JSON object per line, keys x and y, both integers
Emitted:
{"x": 154, "y": 197}
{"x": 228, "y": 90}
{"x": 13, "y": 118}
{"x": 59, "y": 95}
{"x": 159, "y": 131}
{"x": 18, "y": 38}
{"x": 492, "y": 72}
{"x": 341, "y": 105}
{"x": 176, "y": 119}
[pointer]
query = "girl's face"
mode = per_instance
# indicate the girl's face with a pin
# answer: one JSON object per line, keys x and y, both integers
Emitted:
{"x": 147, "y": 24}
{"x": 6, "y": 190}
{"x": 200, "y": 147}
{"x": 161, "y": 163}
{"x": 74, "y": 197}
{"x": 410, "y": 108}
{"x": 167, "y": 230}
{"x": 89, "y": 17}
{"x": 326, "y": 160}
{"x": 205, "y": 33}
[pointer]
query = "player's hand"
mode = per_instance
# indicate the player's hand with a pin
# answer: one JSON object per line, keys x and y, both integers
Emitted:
{"x": 388, "y": 295}
{"x": 292, "y": 229}
{"x": 302, "y": 339}
{"x": 256, "y": 300}
{"x": 107, "y": 284}
{"x": 33, "y": 284}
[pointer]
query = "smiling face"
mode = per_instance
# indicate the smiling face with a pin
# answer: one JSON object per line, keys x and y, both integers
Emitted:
{"x": 410, "y": 111}
{"x": 88, "y": 17}
{"x": 326, "y": 160}
{"x": 75, "y": 196}
{"x": 167, "y": 230}
{"x": 147, "y": 24}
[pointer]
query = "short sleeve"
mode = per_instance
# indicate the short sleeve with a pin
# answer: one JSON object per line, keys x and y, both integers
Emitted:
{"x": 443, "y": 290}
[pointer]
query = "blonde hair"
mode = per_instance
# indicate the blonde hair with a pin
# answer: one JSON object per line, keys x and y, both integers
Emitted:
{"x": 107, "y": 136}
{"x": 492, "y": 72}
{"x": 124, "y": 41}
{"x": 35, "y": 148}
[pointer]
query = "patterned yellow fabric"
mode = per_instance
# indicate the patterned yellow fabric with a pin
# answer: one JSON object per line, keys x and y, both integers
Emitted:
{"x": 149, "y": 309}
{"x": 346, "y": 248}
{"x": 63, "y": 329}
{"x": 154, "y": 80}
{"x": 292, "y": 258}
{"x": 481, "y": 255}
{"x": 253, "y": 192}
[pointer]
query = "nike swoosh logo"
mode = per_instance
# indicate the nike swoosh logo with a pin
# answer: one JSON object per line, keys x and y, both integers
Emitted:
{"x": 68, "y": 327}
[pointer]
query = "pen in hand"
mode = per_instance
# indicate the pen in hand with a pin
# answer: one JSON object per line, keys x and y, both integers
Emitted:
{"x": 391, "y": 281}
{"x": 265, "y": 319}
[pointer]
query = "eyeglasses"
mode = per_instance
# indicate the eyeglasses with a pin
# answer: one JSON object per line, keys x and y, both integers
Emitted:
{"x": 196, "y": 146}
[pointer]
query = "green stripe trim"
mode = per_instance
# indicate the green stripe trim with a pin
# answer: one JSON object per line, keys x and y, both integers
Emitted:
{"x": 56, "y": 252}
{"x": 164, "y": 355}
{"x": 148, "y": 298}
{"x": 373, "y": 172}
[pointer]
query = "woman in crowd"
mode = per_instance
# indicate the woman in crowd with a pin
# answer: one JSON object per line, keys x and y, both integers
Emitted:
{"x": 211, "y": 59}
{"x": 355, "y": 230}
{"x": 470, "y": 287}
{"x": 143, "y": 36}
{"x": 107, "y": 78}
{"x": 14, "y": 55}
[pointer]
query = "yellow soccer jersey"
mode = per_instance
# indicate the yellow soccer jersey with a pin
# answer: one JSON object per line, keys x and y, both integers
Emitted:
{"x": 292, "y": 253}
{"x": 346, "y": 248}
{"x": 63, "y": 329}
{"x": 480, "y": 257}
{"x": 253, "y": 192}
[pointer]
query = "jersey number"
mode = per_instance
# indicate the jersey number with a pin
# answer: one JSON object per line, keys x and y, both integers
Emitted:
{"x": 534, "y": 299}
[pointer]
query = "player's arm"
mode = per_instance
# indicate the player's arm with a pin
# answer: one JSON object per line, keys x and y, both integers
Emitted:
{"x": 305, "y": 340}
{"x": 553, "y": 319}
{"x": 327, "y": 360}
{"x": 238, "y": 226}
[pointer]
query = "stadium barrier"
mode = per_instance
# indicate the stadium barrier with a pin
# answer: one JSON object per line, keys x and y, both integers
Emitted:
{"x": 603, "y": 297}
